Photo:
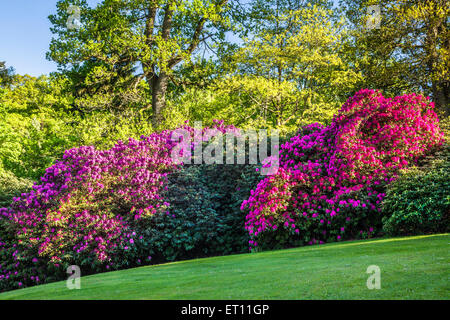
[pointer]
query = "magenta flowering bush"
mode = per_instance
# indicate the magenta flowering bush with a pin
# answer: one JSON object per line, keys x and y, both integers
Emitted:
{"x": 331, "y": 180}
{"x": 93, "y": 208}
{"x": 86, "y": 207}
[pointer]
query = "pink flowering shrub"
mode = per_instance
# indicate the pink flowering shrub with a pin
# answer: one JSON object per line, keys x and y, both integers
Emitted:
{"x": 331, "y": 180}
{"x": 94, "y": 208}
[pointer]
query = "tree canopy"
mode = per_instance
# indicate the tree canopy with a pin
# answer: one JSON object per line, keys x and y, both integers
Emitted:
{"x": 121, "y": 43}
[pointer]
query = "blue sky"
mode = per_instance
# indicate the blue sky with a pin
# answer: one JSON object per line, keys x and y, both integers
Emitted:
{"x": 25, "y": 35}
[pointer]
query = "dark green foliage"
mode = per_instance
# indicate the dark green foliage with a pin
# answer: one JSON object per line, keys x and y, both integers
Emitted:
{"x": 191, "y": 228}
{"x": 230, "y": 184}
{"x": 419, "y": 201}
{"x": 12, "y": 186}
{"x": 204, "y": 217}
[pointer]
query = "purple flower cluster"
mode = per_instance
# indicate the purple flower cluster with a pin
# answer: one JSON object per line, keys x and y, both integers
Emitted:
{"x": 88, "y": 207}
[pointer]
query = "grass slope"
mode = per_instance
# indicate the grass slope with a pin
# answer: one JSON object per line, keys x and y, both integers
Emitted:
{"x": 411, "y": 268}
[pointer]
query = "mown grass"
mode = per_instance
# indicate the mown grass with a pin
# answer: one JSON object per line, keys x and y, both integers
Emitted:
{"x": 411, "y": 268}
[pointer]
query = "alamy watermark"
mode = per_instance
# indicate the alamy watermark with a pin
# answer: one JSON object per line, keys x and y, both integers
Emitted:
{"x": 235, "y": 146}
{"x": 74, "y": 19}
{"x": 74, "y": 280}
{"x": 374, "y": 280}
{"x": 373, "y": 17}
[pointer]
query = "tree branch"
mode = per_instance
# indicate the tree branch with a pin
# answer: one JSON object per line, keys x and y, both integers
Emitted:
{"x": 195, "y": 38}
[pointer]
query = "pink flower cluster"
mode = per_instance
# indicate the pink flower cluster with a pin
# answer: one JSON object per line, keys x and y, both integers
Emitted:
{"x": 90, "y": 205}
{"x": 329, "y": 173}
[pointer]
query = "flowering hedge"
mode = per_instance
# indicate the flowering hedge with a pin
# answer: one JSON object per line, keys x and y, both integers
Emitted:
{"x": 124, "y": 207}
{"x": 331, "y": 179}
{"x": 92, "y": 209}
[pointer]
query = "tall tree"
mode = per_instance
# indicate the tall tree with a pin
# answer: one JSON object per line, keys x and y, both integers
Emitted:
{"x": 121, "y": 43}
{"x": 293, "y": 62}
{"x": 408, "y": 51}
{"x": 6, "y": 74}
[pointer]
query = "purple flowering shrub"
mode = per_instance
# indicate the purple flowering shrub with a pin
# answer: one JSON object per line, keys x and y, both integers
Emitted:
{"x": 331, "y": 180}
{"x": 93, "y": 209}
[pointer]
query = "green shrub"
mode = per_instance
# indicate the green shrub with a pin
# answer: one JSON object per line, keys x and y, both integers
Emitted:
{"x": 230, "y": 184}
{"x": 191, "y": 228}
{"x": 444, "y": 123}
{"x": 419, "y": 201}
{"x": 11, "y": 186}
{"x": 204, "y": 217}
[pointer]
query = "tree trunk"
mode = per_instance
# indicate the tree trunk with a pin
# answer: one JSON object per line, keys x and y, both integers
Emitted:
{"x": 159, "y": 89}
{"x": 439, "y": 87}
{"x": 441, "y": 97}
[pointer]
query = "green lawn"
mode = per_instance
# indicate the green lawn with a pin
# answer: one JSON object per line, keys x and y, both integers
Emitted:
{"x": 411, "y": 268}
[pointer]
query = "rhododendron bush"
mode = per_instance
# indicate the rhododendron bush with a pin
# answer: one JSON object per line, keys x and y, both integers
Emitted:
{"x": 331, "y": 180}
{"x": 134, "y": 203}
{"x": 93, "y": 209}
